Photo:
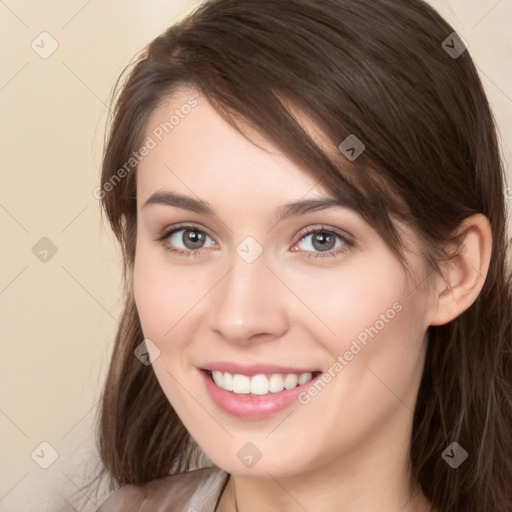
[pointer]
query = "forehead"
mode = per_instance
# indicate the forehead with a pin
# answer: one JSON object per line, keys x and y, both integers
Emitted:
{"x": 194, "y": 147}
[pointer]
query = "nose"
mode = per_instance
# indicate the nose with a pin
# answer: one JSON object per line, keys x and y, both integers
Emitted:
{"x": 247, "y": 304}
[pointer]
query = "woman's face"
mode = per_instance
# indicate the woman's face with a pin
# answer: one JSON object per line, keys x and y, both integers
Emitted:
{"x": 269, "y": 297}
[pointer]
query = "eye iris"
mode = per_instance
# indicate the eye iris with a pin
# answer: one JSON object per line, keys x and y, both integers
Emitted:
{"x": 323, "y": 241}
{"x": 193, "y": 239}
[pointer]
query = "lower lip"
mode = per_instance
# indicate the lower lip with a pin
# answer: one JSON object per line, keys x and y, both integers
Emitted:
{"x": 249, "y": 406}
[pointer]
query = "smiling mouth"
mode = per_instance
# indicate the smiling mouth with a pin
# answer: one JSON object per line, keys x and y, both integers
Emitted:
{"x": 261, "y": 384}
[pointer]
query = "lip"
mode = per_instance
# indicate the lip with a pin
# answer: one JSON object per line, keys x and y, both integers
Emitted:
{"x": 249, "y": 406}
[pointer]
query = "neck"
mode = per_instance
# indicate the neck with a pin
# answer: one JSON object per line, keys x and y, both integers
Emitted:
{"x": 365, "y": 478}
{"x": 268, "y": 498}
{"x": 241, "y": 495}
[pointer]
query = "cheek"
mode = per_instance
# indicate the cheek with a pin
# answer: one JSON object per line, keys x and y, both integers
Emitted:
{"x": 352, "y": 299}
{"x": 159, "y": 290}
{"x": 150, "y": 298}
{"x": 164, "y": 296}
{"x": 169, "y": 299}
{"x": 371, "y": 325}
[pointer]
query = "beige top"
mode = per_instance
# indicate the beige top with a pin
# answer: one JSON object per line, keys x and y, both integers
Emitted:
{"x": 195, "y": 491}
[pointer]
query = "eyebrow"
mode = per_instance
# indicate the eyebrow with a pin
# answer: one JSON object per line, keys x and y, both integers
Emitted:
{"x": 283, "y": 212}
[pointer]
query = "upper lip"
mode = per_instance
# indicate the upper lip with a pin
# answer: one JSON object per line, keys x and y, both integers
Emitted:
{"x": 253, "y": 369}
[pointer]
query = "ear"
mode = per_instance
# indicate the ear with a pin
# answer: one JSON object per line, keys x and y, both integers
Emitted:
{"x": 464, "y": 275}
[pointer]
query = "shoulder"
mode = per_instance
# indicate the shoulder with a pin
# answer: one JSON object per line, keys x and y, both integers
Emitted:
{"x": 199, "y": 490}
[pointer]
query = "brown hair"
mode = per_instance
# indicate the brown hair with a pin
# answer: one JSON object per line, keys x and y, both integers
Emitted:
{"x": 376, "y": 69}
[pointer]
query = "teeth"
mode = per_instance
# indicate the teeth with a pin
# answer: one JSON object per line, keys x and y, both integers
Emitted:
{"x": 227, "y": 383}
{"x": 304, "y": 377}
{"x": 290, "y": 381}
{"x": 259, "y": 384}
{"x": 276, "y": 383}
{"x": 241, "y": 384}
{"x": 218, "y": 378}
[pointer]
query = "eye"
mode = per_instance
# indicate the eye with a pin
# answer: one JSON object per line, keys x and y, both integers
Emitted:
{"x": 189, "y": 240}
{"x": 186, "y": 240}
{"x": 322, "y": 242}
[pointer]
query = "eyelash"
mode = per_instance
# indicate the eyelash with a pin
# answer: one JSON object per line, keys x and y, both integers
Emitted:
{"x": 348, "y": 243}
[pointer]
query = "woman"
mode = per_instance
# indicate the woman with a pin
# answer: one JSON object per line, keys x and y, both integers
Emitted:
{"x": 309, "y": 197}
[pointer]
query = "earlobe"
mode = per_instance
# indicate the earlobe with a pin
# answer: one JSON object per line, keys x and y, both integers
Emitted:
{"x": 464, "y": 274}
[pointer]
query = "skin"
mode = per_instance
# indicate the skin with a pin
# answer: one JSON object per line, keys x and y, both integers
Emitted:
{"x": 350, "y": 443}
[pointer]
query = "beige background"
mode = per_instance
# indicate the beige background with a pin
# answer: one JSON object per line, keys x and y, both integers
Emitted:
{"x": 58, "y": 318}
